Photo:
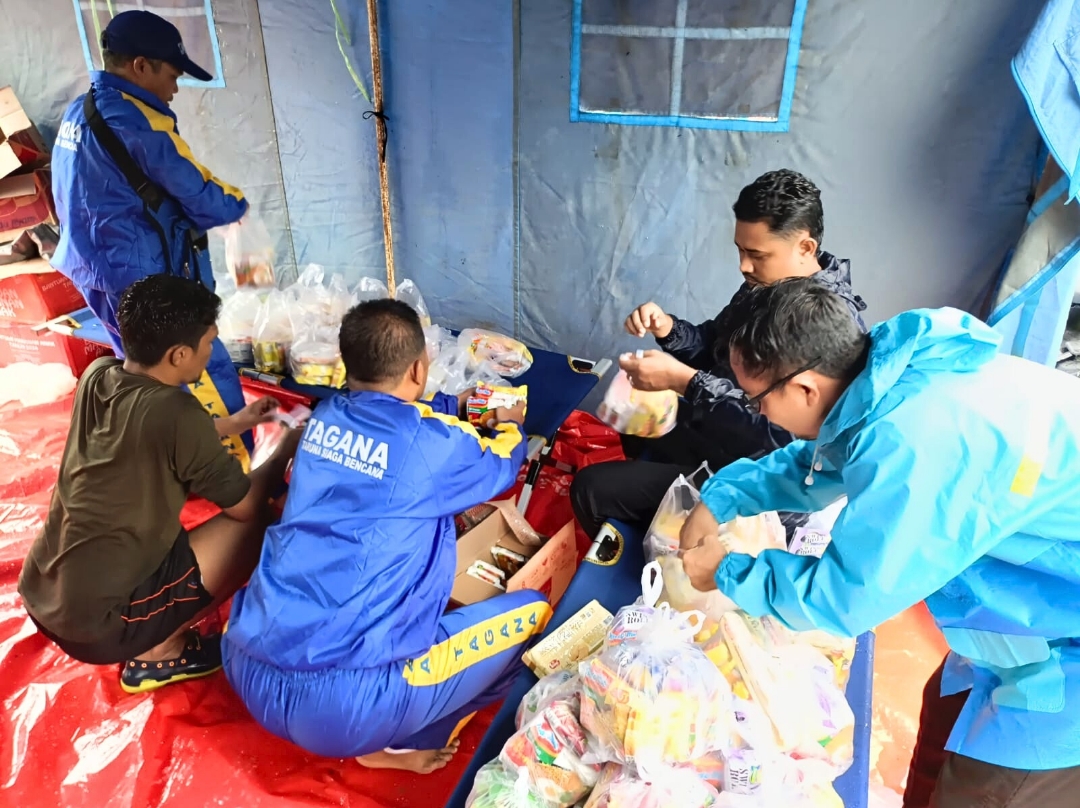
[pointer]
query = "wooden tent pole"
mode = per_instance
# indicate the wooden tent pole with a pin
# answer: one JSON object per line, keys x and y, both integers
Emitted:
{"x": 380, "y": 129}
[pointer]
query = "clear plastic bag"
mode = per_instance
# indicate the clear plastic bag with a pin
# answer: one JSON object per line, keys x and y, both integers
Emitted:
{"x": 496, "y": 786}
{"x": 643, "y": 414}
{"x": 314, "y": 356}
{"x": 249, "y": 253}
{"x": 792, "y": 683}
{"x": 408, "y": 292}
{"x": 559, "y": 686}
{"x": 499, "y": 353}
{"x": 452, "y": 372}
{"x": 236, "y": 324}
{"x": 662, "y": 537}
{"x": 551, "y": 748}
{"x": 369, "y": 289}
{"x": 655, "y": 699}
{"x": 273, "y": 333}
{"x": 620, "y": 787}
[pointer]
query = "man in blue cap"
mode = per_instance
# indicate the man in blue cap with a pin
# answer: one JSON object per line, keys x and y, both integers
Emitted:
{"x": 131, "y": 198}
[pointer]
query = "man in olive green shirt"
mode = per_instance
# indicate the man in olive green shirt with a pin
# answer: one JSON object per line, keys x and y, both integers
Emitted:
{"x": 113, "y": 577}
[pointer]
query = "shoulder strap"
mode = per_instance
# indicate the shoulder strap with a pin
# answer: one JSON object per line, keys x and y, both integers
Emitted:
{"x": 147, "y": 189}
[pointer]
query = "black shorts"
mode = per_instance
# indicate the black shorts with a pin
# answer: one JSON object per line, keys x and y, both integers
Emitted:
{"x": 166, "y": 601}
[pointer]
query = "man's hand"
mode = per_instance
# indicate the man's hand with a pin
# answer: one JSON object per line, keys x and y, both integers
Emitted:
{"x": 255, "y": 413}
{"x": 258, "y": 412}
{"x": 463, "y": 402}
{"x": 699, "y": 526}
{"x": 648, "y": 318}
{"x": 701, "y": 563}
{"x": 656, "y": 370}
{"x": 515, "y": 414}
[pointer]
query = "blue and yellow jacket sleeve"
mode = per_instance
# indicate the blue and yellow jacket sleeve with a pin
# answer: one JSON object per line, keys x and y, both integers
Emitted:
{"x": 443, "y": 403}
{"x": 776, "y": 482}
{"x": 911, "y": 525}
{"x": 468, "y": 468}
{"x": 167, "y": 159}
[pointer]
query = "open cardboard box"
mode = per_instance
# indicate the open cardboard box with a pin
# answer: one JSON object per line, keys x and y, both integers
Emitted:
{"x": 21, "y": 145}
{"x": 25, "y": 202}
{"x": 548, "y": 570}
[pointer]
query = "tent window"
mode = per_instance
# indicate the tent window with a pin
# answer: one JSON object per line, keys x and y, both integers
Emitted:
{"x": 193, "y": 18}
{"x": 702, "y": 64}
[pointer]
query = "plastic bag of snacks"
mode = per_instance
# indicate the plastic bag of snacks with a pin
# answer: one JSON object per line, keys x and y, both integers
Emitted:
{"x": 496, "y": 786}
{"x": 451, "y": 372}
{"x": 236, "y": 324}
{"x": 249, "y": 253}
{"x": 794, "y": 684}
{"x": 500, "y": 353}
{"x": 314, "y": 356}
{"x": 643, "y": 414}
{"x": 409, "y": 292}
{"x": 486, "y": 399}
{"x": 273, "y": 333}
{"x": 561, "y": 685}
{"x": 550, "y": 748}
{"x": 662, "y": 537}
{"x": 652, "y": 697}
{"x": 619, "y": 787}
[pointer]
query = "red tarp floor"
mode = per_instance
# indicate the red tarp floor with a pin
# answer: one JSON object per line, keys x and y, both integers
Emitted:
{"x": 70, "y": 737}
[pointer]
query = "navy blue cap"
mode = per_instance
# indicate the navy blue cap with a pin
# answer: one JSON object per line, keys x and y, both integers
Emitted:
{"x": 141, "y": 33}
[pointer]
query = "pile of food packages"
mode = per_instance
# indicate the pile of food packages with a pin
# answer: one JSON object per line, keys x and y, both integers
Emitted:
{"x": 294, "y": 331}
{"x": 686, "y": 703}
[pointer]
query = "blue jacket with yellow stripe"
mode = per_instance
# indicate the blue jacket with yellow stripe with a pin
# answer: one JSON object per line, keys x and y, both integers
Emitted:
{"x": 359, "y": 570}
{"x": 961, "y": 467}
{"x": 106, "y": 242}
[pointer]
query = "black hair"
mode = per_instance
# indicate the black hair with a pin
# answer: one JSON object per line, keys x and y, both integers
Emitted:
{"x": 786, "y": 201}
{"x": 797, "y": 324}
{"x": 379, "y": 339}
{"x": 161, "y": 312}
{"x": 114, "y": 62}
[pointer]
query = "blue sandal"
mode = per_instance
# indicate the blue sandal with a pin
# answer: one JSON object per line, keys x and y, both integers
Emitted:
{"x": 201, "y": 657}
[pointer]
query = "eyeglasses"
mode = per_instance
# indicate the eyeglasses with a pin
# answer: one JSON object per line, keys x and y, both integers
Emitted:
{"x": 754, "y": 404}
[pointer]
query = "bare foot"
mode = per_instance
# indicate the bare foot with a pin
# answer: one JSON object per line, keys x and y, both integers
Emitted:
{"x": 423, "y": 761}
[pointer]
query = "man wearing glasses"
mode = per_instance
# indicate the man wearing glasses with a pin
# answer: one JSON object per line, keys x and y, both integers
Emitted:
{"x": 961, "y": 468}
{"x": 779, "y": 225}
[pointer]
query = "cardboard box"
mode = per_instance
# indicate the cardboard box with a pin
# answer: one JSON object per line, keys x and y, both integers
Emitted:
{"x": 21, "y": 145}
{"x": 578, "y": 638}
{"x": 548, "y": 570}
{"x": 32, "y": 292}
{"x": 25, "y": 202}
{"x": 40, "y": 346}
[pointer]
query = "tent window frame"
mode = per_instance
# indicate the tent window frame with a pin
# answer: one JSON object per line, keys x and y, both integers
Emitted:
{"x": 782, "y": 122}
{"x": 217, "y": 83}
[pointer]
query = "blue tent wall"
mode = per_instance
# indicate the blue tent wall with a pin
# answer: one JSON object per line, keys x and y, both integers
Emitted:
{"x": 508, "y": 213}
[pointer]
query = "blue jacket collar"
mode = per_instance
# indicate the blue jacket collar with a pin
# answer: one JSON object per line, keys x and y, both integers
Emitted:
{"x": 100, "y": 78}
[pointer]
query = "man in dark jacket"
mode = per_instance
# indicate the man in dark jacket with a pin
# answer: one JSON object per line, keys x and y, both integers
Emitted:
{"x": 779, "y": 224}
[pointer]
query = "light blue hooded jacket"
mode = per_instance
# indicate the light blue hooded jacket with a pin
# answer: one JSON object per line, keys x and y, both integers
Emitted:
{"x": 962, "y": 472}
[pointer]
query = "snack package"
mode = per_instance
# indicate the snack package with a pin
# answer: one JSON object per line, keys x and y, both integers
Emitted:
{"x": 579, "y": 637}
{"x": 559, "y": 686}
{"x": 408, "y": 292}
{"x": 273, "y": 334}
{"x": 641, "y": 413}
{"x": 482, "y": 404}
{"x": 236, "y": 324}
{"x": 620, "y": 787}
{"x": 508, "y": 561}
{"x": 502, "y": 354}
{"x": 550, "y": 748}
{"x": 655, "y": 699}
{"x": 496, "y": 786}
{"x": 249, "y": 253}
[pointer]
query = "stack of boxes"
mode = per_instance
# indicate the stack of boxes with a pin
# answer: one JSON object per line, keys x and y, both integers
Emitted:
{"x": 32, "y": 293}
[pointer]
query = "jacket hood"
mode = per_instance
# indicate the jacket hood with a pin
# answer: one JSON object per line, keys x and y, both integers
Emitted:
{"x": 924, "y": 341}
{"x": 835, "y": 275}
